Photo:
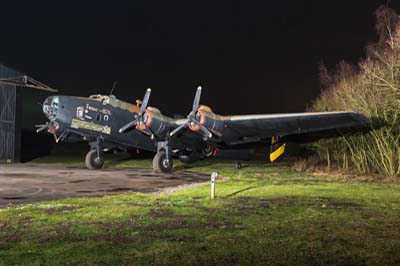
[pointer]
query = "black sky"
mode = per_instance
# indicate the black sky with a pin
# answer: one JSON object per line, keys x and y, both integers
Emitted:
{"x": 250, "y": 57}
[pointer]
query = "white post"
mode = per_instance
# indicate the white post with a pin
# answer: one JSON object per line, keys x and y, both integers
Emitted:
{"x": 214, "y": 176}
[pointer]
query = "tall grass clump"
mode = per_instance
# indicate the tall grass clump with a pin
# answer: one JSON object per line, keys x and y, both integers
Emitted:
{"x": 373, "y": 88}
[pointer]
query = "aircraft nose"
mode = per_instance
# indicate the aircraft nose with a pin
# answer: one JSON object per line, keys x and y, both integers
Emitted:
{"x": 50, "y": 107}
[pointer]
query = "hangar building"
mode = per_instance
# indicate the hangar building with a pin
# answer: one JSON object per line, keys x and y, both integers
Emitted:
{"x": 20, "y": 110}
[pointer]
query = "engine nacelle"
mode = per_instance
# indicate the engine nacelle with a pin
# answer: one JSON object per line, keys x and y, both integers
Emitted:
{"x": 207, "y": 118}
{"x": 154, "y": 120}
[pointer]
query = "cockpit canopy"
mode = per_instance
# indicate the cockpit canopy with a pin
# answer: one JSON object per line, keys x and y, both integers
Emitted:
{"x": 99, "y": 97}
{"x": 113, "y": 101}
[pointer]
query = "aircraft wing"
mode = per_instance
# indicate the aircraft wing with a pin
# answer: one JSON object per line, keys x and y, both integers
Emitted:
{"x": 299, "y": 127}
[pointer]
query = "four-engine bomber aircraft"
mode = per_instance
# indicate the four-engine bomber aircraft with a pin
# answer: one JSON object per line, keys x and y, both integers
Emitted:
{"x": 108, "y": 123}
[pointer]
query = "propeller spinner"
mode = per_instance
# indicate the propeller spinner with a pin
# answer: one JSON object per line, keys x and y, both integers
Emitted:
{"x": 52, "y": 129}
{"x": 193, "y": 121}
{"x": 139, "y": 118}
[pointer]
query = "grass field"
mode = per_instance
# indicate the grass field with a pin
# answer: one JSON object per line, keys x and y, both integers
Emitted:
{"x": 264, "y": 214}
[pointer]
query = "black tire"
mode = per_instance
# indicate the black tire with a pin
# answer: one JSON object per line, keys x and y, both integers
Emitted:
{"x": 238, "y": 165}
{"x": 93, "y": 161}
{"x": 208, "y": 151}
{"x": 161, "y": 164}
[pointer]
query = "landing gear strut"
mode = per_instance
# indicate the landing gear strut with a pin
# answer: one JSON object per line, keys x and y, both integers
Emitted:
{"x": 238, "y": 165}
{"x": 94, "y": 158}
{"x": 162, "y": 161}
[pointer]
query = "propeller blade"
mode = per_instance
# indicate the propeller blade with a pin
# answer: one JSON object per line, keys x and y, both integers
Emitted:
{"x": 127, "y": 126}
{"x": 178, "y": 129}
{"x": 41, "y": 127}
{"x": 148, "y": 132}
{"x": 216, "y": 133}
{"x": 196, "y": 101}
{"x": 206, "y": 133}
{"x": 145, "y": 101}
{"x": 65, "y": 132}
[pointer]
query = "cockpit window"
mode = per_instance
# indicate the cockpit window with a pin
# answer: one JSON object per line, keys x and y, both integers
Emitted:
{"x": 112, "y": 100}
{"x": 97, "y": 97}
{"x": 100, "y": 98}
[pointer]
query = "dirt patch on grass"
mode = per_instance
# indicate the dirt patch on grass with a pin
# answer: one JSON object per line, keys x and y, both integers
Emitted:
{"x": 134, "y": 230}
{"x": 341, "y": 205}
{"x": 238, "y": 207}
{"x": 301, "y": 181}
{"x": 266, "y": 202}
{"x": 243, "y": 206}
{"x": 148, "y": 236}
{"x": 58, "y": 233}
{"x": 286, "y": 201}
{"x": 164, "y": 226}
{"x": 329, "y": 202}
{"x": 60, "y": 210}
{"x": 129, "y": 232}
{"x": 14, "y": 230}
{"x": 159, "y": 223}
{"x": 164, "y": 213}
{"x": 248, "y": 205}
{"x": 202, "y": 223}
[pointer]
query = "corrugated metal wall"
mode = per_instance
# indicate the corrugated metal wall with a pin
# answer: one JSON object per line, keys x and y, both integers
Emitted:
{"x": 19, "y": 112}
{"x": 6, "y": 72}
{"x": 7, "y": 122}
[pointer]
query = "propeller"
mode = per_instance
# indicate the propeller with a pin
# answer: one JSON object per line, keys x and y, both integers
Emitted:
{"x": 49, "y": 126}
{"x": 192, "y": 119}
{"x": 129, "y": 125}
{"x": 52, "y": 130}
{"x": 138, "y": 117}
{"x": 42, "y": 127}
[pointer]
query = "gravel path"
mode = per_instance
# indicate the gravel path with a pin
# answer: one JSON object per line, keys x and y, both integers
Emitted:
{"x": 21, "y": 183}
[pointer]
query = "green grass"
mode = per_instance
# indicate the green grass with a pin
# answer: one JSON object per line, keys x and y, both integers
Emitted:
{"x": 263, "y": 214}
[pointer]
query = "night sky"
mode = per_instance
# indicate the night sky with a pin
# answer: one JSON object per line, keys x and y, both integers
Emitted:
{"x": 250, "y": 57}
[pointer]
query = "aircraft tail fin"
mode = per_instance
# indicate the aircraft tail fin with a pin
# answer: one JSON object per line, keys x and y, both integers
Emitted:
{"x": 277, "y": 148}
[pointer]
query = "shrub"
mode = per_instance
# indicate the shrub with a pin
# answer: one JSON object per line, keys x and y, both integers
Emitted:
{"x": 373, "y": 88}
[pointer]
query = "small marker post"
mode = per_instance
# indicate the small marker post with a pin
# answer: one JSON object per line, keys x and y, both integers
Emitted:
{"x": 214, "y": 176}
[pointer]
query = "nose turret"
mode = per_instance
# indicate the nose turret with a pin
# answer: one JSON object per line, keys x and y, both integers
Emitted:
{"x": 50, "y": 107}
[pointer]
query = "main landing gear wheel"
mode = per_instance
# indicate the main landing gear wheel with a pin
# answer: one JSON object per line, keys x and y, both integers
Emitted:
{"x": 161, "y": 164}
{"x": 93, "y": 160}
